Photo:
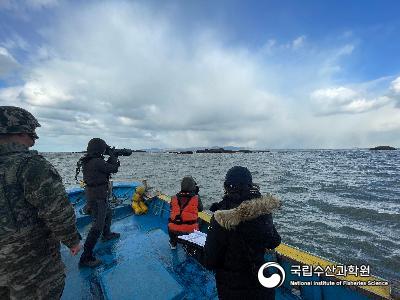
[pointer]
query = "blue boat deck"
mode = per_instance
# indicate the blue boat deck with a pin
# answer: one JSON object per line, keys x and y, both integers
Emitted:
{"x": 139, "y": 265}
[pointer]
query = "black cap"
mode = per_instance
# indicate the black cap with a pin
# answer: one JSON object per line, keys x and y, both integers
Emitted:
{"x": 238, "y": 176}
{"x": 188, "y": 184}
{"x": 96, "y": 146}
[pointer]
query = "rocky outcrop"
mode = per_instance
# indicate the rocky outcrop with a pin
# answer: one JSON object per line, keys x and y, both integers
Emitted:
{"x": 222, "y": 150}
{"x": 383, "y": 148}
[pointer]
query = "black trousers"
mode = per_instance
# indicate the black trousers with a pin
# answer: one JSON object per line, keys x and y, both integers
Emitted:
{"x": 173, "y": 236}
{"x": 241, "y": 285}
{"x": 101, "y": 222}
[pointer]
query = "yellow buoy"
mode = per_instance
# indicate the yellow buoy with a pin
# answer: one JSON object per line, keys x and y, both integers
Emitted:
{"x": 143, "y": 207}
{"x": 140, "y": 190}
{"x": 138, "y": 205}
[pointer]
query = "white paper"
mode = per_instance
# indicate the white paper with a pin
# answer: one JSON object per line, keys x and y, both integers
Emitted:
{"x": 196, "y": 237}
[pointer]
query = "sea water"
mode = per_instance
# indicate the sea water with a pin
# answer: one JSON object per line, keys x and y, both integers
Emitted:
{"x": 343, "y": 205}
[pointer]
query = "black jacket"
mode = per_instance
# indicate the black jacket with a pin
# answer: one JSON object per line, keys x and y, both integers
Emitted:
{"x": 235, "y": 247}
{"x": 96, "y": 174}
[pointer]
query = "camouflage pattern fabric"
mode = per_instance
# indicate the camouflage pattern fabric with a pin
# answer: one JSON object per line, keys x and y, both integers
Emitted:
{"x": 16, "y": 120}
{"x": 35, "y": 215}
{"x": 49, "y": 288}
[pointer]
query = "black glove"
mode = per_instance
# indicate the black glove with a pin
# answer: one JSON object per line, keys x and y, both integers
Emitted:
{"x": 113, "y": 160}
{"x": 214, "y": 207}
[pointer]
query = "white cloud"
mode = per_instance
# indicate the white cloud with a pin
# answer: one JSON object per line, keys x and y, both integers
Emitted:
{"x": 363, "y": 105}
{"x": 339, "y": 95}
{"x": 268, "y": 47}
{"x": 8, "y": 64}
{"x": 339, "y": 100}
{"x": 41, "y": 93}
{"x": 345, "y": 50}
{"x": 126, "y": 121}
{"x": 298, "y": 42}
{"x": 272, "y": 45}
{"x": 395, "y": 90}
{"x": 9, "y": 96}
{"x": 332, "y": 64}
{"x": 395, "y": 86}
{"x": 15, "y": 41}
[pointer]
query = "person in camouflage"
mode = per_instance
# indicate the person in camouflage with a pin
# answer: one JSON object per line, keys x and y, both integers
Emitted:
{"x": 35, "y": 214}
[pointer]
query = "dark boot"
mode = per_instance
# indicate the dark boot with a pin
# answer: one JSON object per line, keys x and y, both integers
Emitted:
{"x": 89, "y": 261}
{"x": 110, "y": 236}
{"x": 87, "y": 258}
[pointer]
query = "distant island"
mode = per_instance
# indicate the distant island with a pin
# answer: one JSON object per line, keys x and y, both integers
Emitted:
{"x": 382, "y": 148}
{"x": 218, "y": 150}
{"x": 180, "y": 152}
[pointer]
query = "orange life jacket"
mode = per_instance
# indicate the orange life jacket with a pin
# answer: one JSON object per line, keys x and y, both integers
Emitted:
{"x": 183, "y": 216}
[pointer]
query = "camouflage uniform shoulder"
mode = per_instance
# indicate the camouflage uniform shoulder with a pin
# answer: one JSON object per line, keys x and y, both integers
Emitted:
{"x": 15, "y": 211}
{"x": 28, "y": 155}
{"x": 36, "y": 166}
{"x": 13, "y": 162}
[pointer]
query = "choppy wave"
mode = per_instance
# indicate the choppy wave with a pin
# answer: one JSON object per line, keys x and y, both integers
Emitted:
{"x": 358, "y": 213}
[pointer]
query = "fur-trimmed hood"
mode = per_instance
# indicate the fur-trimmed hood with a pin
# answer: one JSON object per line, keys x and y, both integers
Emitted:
{"x": 246, "y": 211}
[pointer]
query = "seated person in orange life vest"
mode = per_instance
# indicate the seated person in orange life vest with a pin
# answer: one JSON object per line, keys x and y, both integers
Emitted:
{"x": 184, "y": 208}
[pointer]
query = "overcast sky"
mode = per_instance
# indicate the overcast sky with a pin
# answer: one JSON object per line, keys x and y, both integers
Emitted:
{"x": 142, "y": 74}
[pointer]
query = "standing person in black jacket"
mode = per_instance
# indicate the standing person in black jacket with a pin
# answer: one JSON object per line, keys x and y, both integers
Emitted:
{"x": 238, "y": 237}
{"x": 96, "y": 175}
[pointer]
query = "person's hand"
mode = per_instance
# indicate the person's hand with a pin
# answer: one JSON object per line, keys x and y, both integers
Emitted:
{"x": 75, "y": 249}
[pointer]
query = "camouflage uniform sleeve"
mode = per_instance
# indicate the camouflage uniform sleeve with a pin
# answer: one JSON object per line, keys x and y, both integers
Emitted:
{"x": 43, "y": 188}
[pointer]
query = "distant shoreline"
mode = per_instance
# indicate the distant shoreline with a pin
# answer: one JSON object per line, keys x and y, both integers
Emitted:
{"x": 233, "y": 151}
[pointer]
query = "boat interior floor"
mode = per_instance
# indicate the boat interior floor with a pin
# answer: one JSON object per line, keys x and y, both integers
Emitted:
{"x": 138, "y": 265}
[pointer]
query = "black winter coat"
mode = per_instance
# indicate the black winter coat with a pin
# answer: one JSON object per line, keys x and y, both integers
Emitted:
{"x": 96, "y": 174}
{"x": 235, "y": 247}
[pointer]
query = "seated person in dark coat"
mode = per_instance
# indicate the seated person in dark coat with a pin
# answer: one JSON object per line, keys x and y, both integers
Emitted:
{"x": 238, "y": 236}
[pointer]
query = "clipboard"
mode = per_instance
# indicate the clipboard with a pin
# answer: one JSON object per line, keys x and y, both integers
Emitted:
{"x": 193, "y": 244}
